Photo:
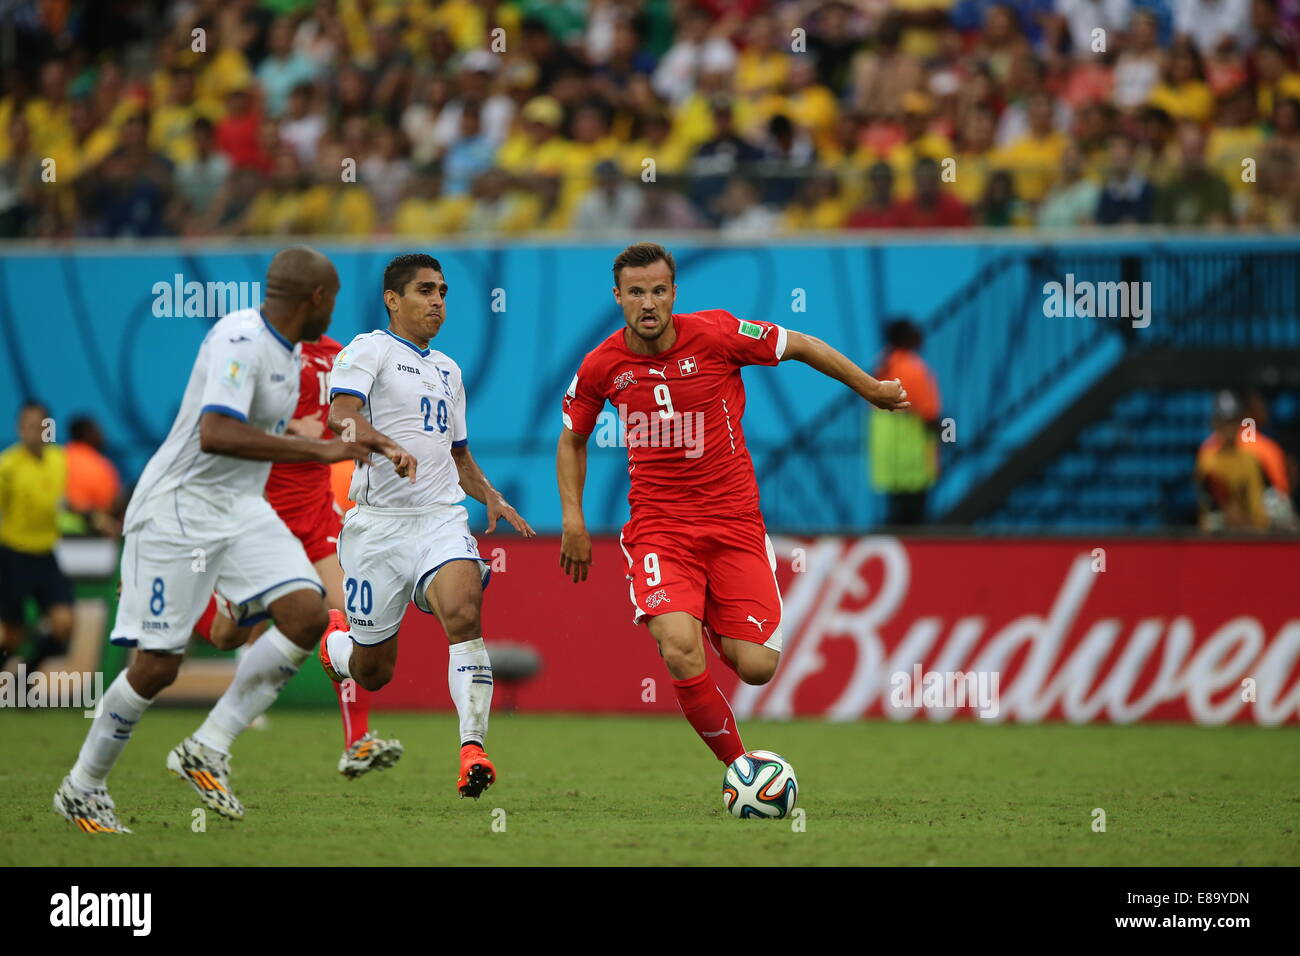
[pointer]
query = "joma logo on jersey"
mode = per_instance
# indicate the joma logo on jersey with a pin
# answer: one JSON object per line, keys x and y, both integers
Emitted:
{"x": 475, "y": 667}
{"x": 623, "y": 380}
{"x": 407, "y": 368}
{"x": 655, "y": 598}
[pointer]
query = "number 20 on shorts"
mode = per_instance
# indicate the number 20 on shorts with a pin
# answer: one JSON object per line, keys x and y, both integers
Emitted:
{"x": 364, "y": 592}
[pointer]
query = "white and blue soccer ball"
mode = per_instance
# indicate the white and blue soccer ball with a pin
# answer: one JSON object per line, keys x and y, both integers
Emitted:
{"x": 760, "y": 784}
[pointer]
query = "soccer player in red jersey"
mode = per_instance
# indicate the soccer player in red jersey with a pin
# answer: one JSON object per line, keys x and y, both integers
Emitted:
{"x": 302, "y": 495}
{"x": 698, "y": 557}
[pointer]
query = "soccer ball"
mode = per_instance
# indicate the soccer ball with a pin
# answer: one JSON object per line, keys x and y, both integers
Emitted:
{"x": 760, "y": 784}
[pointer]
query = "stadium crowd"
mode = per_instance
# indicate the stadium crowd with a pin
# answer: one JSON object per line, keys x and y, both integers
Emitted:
{"x": 138, "y": 118}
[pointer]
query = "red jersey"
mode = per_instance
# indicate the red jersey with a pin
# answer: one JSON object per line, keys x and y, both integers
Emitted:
{"x": 680, "y": 412}
{"x": 297, "y": 485}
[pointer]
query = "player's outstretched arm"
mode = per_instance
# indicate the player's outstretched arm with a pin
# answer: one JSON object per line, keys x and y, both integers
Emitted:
{"x": 478, "y": 487}
{"x": 223, "y": 435}
{"x": 345, "y": 419}
{"x": 812, "y": 351}
{"x": 571, "y": 473}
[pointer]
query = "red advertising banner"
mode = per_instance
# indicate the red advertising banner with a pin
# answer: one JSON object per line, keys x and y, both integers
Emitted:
{"x": 1106, "y": 630}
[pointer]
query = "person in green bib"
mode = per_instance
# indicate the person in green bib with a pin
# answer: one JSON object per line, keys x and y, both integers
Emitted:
{"x": 903, "y": 446}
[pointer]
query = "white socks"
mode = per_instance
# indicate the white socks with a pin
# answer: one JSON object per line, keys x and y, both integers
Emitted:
{"x": 338, "y": 645}
{"x": 469, "y": 675}
{"x": 109, "y": 732}
{"x": 260, "y": 676}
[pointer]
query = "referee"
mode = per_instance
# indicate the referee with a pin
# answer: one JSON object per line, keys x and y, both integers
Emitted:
{"x": 33, "y": 478}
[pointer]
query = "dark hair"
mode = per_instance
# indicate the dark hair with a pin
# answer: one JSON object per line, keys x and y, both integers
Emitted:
{"x": 399, "y": 273}
{"x": 780, "y": 126}
{"x": 33, "y": 405}
{"x": 643, "y": 254}
{"x": 902, "y": 333}
{"x": 84, "y": 429}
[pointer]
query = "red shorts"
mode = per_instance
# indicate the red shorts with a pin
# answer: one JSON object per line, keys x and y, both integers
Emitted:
{"x": 315, "y": 523}
{"x": 721, "y": 571}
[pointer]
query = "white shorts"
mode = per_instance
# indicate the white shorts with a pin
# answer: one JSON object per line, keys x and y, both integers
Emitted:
{"x": 388, "y": 557}
{"x": 170, "y": 568}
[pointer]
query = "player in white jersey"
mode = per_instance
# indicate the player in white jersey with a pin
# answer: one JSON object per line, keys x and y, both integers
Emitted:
{"x": 407, "y": 539}
{"x": 198, "y": 523}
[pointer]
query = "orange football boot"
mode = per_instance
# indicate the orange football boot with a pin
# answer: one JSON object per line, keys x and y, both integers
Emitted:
{"x": 338, "y": 622}
{"x": 476, "y": 771}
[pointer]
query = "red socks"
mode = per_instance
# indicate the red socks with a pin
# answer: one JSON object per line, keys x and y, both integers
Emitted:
{"x": 710, "y": 715}
{"x": 356, "y": 712}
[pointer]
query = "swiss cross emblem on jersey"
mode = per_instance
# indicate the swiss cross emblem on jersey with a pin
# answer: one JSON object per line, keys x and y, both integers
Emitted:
{"x": 687, "y": 366}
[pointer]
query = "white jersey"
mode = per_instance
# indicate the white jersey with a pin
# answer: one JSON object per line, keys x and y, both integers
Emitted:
{"x": 416, "y": 397}
{"x": 247, "y": 370}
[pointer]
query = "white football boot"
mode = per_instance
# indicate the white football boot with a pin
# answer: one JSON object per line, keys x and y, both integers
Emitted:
{"x": 369, "y": 753}
{"x": 208, "y": 772}
{"x": 92, "y": 812}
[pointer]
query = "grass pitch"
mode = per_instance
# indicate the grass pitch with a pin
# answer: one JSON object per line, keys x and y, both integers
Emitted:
{"x": 610, "y": 791}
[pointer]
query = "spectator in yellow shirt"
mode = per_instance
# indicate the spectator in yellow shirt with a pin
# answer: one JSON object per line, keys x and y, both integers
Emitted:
{"x": 1230, "y": 481}
{"x": 978, "y": 129}
{"x": 33, "y": 478}
{"x": 765, "y": 60}
{"x": 1183, "y": 92}
{"x": 537, "y": 147}
{"x": 49, "y": 115}
{"x": 1275, "y": 80}
{"x": 333, "y": 207}
{"x": 655, "y": 141}
{"x": 171, "y": 125}
{"x": 1035, "y": 158}
{"x": 804, "y": 99}
{"x": 1237, "y": 136}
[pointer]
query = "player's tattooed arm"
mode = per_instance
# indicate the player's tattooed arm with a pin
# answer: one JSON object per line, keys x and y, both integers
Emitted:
{"x": 812, "y": 351}
{"x": 223, "y": 435}
{"x": 478, "y": 487}
{"x": 571, "y": 472}
{"x": 346, "y": 421}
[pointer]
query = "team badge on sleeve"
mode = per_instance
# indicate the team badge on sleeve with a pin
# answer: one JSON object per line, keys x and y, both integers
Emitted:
{"x": 235, "y": 373}
{"x": 342, "y": 360}
{"x": 752, "y": 329}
